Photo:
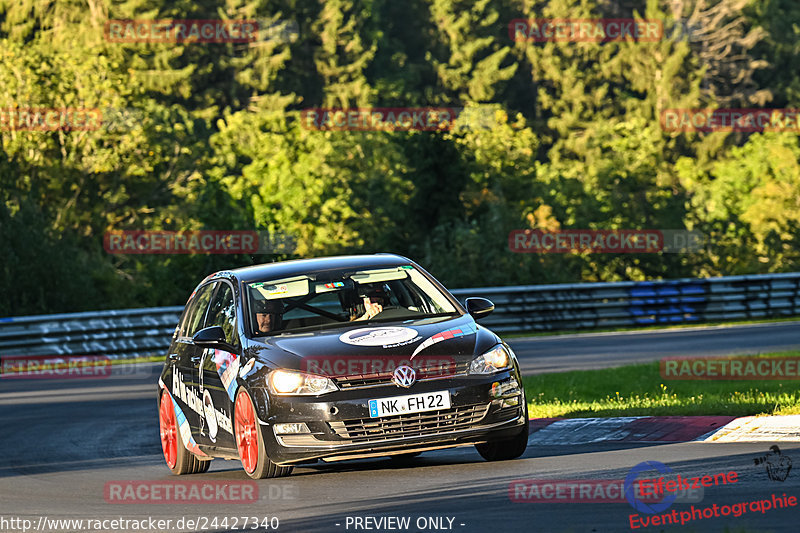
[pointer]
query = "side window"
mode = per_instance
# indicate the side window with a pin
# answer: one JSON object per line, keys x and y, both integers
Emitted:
{"x": 193, "y": 320}
{"x": 223, "y": 313}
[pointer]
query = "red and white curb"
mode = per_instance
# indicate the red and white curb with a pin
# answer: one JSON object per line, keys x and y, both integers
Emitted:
{"x": 759, "y": 429}
{"x": 664, "y": 429}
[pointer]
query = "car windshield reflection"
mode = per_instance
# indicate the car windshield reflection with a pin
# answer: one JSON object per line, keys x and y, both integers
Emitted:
{"x": 325, "y": 300}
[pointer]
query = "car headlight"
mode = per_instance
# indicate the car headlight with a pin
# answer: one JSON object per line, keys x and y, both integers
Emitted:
{"x": 492, "y": 361}
{"x": 286, "y": 382}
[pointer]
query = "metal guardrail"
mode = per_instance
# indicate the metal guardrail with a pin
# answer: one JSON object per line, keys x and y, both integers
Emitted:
{"x": 141, "y": 332}
{"x": 640, "y": 303}
{"x": 117, "y": 334}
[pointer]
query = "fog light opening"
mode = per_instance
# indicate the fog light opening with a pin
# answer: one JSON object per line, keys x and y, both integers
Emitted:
{"x": 511, "y": 402}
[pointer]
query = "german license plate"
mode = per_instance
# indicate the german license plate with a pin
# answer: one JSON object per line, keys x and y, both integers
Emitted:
{"x": 414, "y": 403}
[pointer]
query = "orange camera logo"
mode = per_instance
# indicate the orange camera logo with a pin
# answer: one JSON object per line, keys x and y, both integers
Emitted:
{"x": 585, "y": 30}
{"x": 181, "y": 31}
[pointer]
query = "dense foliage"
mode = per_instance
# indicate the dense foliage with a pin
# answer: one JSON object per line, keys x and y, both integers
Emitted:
{"x": 211, "y": 138}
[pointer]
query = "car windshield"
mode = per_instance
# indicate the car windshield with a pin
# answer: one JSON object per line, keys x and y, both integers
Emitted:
{"x": 330, "y": 299}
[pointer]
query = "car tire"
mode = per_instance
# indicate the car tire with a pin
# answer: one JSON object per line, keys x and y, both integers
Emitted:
{"x": 250, "y": 441}
{"x": 503, "y": 450}
{"x": 202, "y": 466}
{"x": 179, "y": 460}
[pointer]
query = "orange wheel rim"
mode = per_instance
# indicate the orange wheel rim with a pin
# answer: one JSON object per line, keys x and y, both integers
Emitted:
{"x": 169, "y": 430}
{"x": 246, "y": 436}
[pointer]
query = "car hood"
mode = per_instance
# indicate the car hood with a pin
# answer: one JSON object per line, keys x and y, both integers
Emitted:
{"x": 361, "y": 348}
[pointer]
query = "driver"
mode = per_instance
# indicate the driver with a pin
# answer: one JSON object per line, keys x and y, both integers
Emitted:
{"x": 268, "y": 315}
{"x": 374, "y": 300}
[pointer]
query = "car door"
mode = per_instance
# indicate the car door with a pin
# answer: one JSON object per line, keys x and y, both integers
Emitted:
{"x": 185, "y": 357}
{"x": 218, "y": 370}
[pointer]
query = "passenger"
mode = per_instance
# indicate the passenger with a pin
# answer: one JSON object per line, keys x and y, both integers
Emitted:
{"x": 373, "y": 300}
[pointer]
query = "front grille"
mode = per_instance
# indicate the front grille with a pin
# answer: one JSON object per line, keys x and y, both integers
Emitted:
{"x": 411, "y": 425}
{"x": 385, "y": 378}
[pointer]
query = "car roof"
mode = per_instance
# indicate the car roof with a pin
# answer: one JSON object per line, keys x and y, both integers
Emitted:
{"x": 297, "y": 267}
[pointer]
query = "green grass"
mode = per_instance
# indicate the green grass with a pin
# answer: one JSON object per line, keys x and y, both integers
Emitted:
{"x": 639, "y": 390}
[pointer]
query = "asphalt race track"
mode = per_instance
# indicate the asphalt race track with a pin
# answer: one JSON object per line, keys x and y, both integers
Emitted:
{"x": 559, "y": 353}
{"x": 64, "y": 441}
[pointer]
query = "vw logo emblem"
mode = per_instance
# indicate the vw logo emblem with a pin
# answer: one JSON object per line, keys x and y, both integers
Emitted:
{"x": 404, "y": 376}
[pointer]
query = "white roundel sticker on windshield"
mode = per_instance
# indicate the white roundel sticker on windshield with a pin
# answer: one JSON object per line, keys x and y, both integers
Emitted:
{"x": 378, "y": 336}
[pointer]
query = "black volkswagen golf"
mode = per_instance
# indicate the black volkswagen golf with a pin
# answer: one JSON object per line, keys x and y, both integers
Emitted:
{"x": 334, "y": 358}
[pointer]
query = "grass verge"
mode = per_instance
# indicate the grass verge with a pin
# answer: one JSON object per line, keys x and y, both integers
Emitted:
{"x": 639, "y": 390}
{"x": 654, "y": 327}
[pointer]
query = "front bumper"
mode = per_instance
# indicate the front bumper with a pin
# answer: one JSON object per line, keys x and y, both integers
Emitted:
{"x": 340, "y": 427}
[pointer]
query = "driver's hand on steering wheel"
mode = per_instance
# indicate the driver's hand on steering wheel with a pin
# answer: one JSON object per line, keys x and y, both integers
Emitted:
{"x": 371, "y": 309}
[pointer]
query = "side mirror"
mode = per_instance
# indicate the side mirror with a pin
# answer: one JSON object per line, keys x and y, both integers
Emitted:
{"x": 211, "y": 337}
{"x": 479, "y": 307}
